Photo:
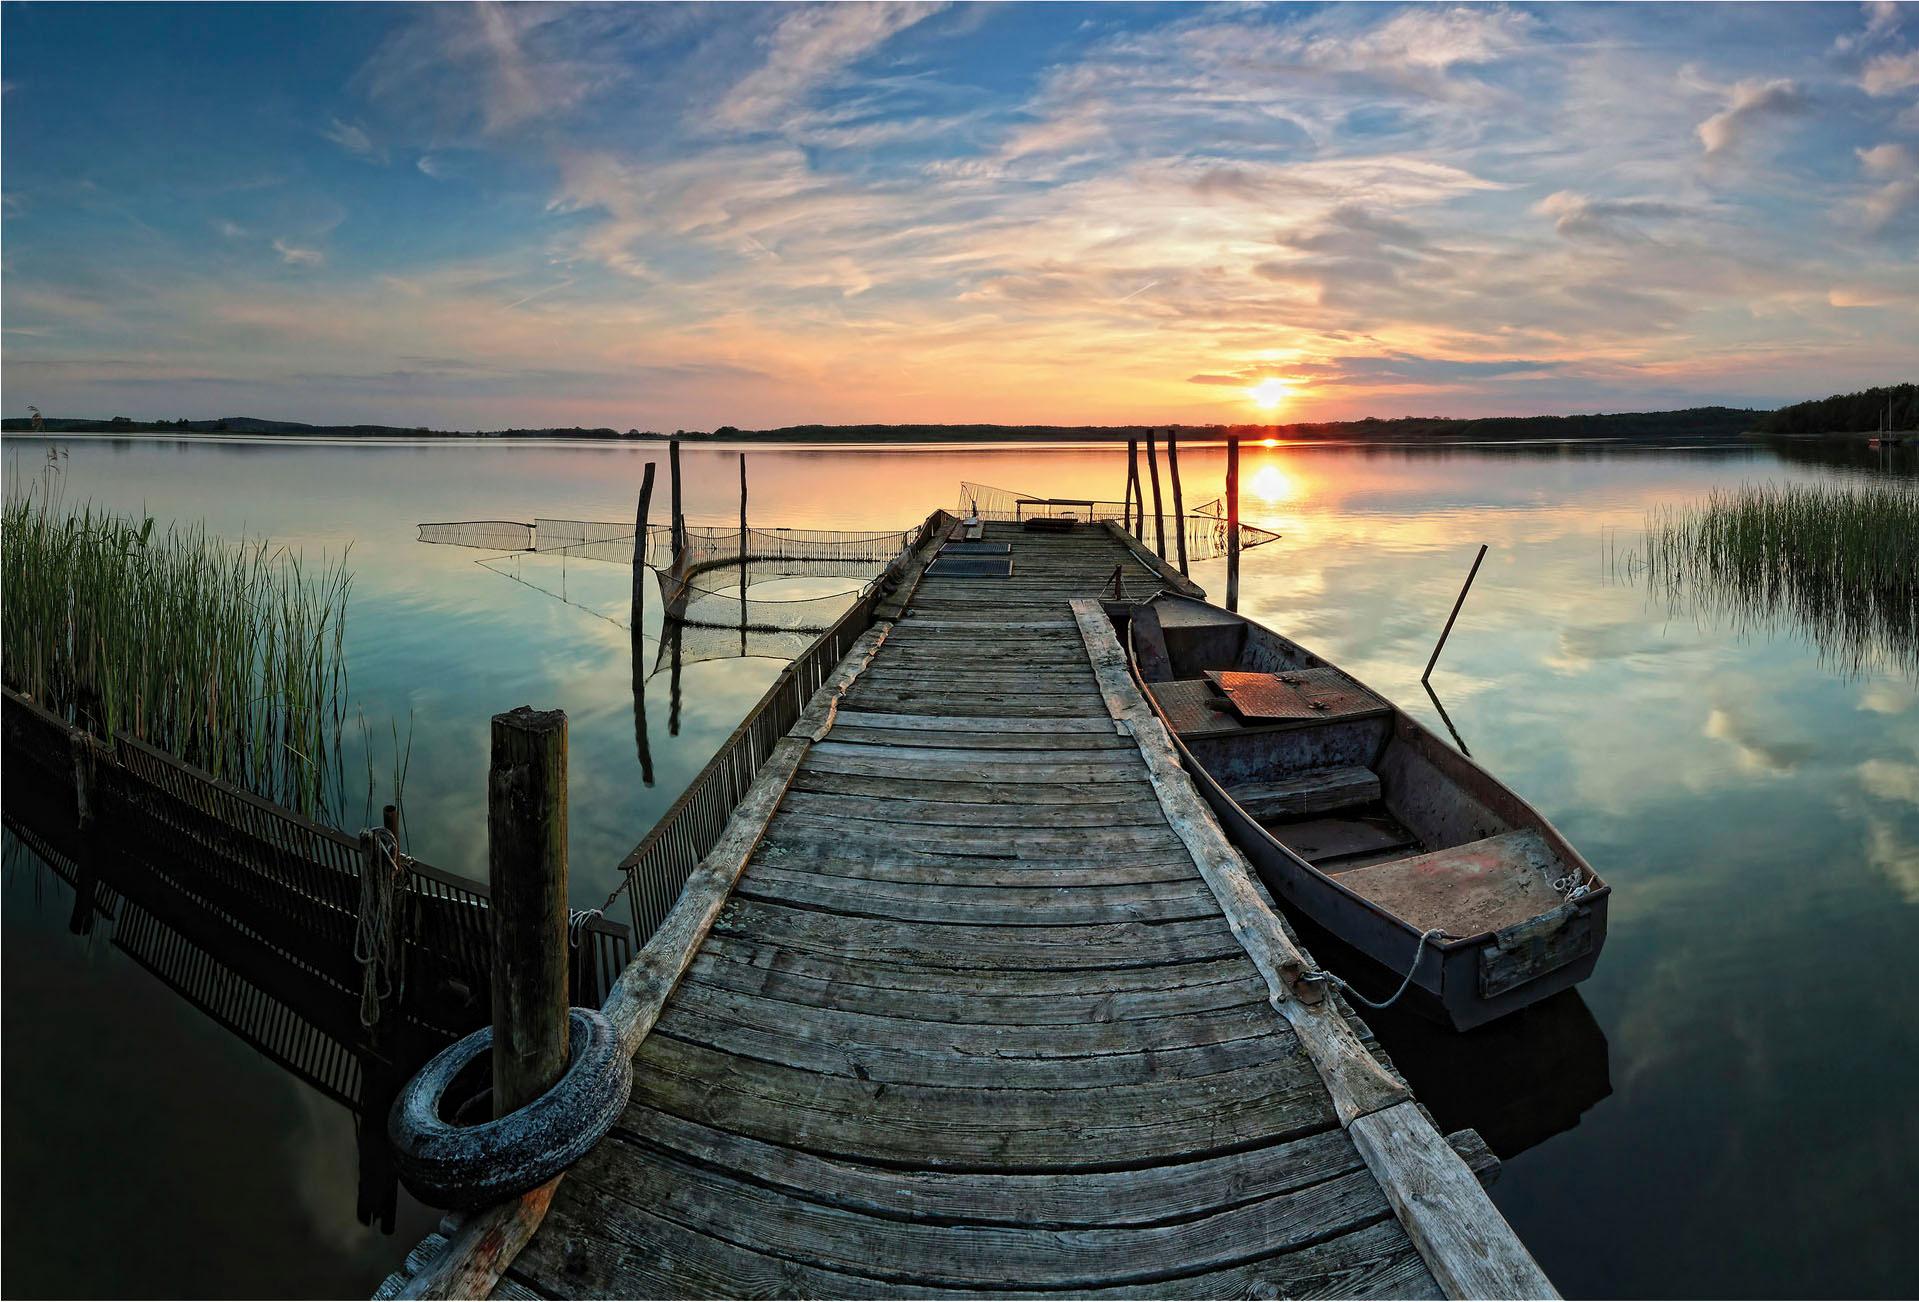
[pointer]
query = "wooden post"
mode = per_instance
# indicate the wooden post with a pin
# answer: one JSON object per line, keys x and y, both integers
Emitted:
{"x": 679, "y": 518}
{"x": 1132, "y": 482}
{"x": 526, "y": 865}
{"x": 1447, "y": 631}
{"x": 639, "y": 545}
{"x": 743, "y": 554}
{"x": 85, "y": 755}
{"x": 1179, "y": 497}
{"x": 1159, "y": 517}
{"x": 1232, "y": 524}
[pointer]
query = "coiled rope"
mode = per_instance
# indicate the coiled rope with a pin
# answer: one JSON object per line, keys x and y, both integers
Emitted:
{"x": 1321, "y": 974}
{"x": 378, "y": 945}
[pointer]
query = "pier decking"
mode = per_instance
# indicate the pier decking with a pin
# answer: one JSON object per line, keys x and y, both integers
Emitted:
{"x": 987, "y": 1010}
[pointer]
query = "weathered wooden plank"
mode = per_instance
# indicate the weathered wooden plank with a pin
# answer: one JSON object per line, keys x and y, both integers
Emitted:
{"x": 886, "y": 865}
{"x": 974, "y": 1129}
{"x": 931, "y": 787}
{"x": 825, "y": 850}
{"x": 1312, "y": 792}
{"x": 1028, "y": 842}
{"x": 928, "y": 761}
{"x": 1009, "y": 905}
{"x": 643, "y": 1255}
{"x": 1472, "y": 1251}
{"x": 928, "y": 722}
{"x": 1116, "y": 944}
{"x": 977, "y": 1256}
{"x": 816, "y": 983}
{"x": 1095, "y": 984}
{"x": 905, "y": 811}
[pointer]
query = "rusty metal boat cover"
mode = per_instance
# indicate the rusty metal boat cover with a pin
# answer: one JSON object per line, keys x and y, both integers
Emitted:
{"x": 1295, "y": 694}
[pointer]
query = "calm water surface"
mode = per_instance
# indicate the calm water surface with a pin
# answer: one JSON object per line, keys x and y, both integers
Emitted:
{"x": 1723, "y": 1110}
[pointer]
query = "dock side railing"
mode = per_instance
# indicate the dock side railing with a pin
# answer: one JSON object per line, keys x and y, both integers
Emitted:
{"x": 657, "y": 869}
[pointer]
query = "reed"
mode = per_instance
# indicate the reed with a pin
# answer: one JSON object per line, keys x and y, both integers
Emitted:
{"x": 229, "y": 655}
{"x": 1836, "y": 562}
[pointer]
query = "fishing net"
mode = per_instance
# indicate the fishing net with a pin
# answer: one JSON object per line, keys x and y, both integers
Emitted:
{"x": 493, "y": 535}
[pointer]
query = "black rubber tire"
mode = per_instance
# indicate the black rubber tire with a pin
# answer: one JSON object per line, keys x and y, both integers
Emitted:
{"x": 444, "y": 1165}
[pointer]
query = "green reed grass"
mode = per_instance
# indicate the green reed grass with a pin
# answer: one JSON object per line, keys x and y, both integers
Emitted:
{"x": 229, "y": 655}
{"x": 1836, "y": 562}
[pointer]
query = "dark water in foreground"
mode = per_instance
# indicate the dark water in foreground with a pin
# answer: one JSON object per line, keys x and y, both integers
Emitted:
{"x": 1723, "y": 1110}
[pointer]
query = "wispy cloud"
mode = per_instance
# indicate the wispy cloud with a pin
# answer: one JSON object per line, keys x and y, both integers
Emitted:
{"x": 1888, "y": 74}
{"x": 808, "y": 49}
{"x": 353, "y": 138}
{"x": 295, "y": 256}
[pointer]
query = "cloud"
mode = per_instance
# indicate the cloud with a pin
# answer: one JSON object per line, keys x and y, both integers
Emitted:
{"x": 1888, "y": 74}
{"x": 295, "y": 256}
{"x": 353, "y": 138}
{"x": 808, "y": 49}
{"x": 1749, "y": 105}
{"x": 1580, "y": 217}
{"x": 229, "y": 230}
{"x": 1882, "y": 19}
{"x": 431, "y": 166}
{"x": 1897, "y": 166}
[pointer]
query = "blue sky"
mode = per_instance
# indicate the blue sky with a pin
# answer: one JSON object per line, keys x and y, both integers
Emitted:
{"x": 683, "y": 216}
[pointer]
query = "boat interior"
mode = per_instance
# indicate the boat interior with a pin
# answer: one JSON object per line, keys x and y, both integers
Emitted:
{"x": 1346, "y": 782}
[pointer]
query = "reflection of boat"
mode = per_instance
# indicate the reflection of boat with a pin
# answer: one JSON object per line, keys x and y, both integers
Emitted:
{"x": 1518, "y": 1082}
{"x": 1361, "y": 819}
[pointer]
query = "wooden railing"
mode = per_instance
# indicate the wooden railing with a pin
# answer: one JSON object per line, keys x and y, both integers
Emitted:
{"x": 659, "y": 866}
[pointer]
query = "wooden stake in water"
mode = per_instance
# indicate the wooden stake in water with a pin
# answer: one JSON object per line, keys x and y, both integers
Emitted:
{"x": 1447, "y": 631}
{"x": 1232, "y": 525}
{"x": 526, "y": 866}
{"x": 1159, "y": 515}
{"x": 1132, "y": 482}
{"x": 679, "y": 517}
{"x": 1179, "y": 497}
{"x": 743, "y": 541}
{"x": 639, "y": 544}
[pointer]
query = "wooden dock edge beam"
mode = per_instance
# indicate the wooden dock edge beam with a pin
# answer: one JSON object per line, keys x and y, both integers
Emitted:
{"x": 478, "y": 1248}
{"x": 1171, "y": 577}
{"x": 1462, "y": 1237}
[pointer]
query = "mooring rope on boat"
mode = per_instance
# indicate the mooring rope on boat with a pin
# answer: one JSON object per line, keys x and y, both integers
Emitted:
{"x": 1345, "y": 988}
{"x": 377, "y": 944}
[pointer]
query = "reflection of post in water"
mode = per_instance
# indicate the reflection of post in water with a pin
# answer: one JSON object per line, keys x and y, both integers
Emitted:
{"x": 1446, "y": 718}
{"x": 640, "y": 740}
{"x": 674, "y": 631}
{"x": 743, "y": 538}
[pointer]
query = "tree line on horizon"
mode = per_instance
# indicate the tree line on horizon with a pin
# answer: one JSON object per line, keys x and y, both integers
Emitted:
{"x": 1847, "y": 413}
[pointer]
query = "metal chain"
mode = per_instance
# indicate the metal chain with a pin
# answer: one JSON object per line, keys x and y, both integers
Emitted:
{"x": 1321, "y": 974}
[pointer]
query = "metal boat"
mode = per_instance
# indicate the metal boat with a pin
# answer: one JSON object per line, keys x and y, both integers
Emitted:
{"x": 1357, "y": 816}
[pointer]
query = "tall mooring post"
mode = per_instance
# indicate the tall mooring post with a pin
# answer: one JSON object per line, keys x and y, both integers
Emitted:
{"x": 1159, "y": 514}
{"x": 743, "y": 550}
{"x": 1179, "y": 496}
{"x": 639, "y": 545}
{"x": 526, "y": 866}
{"x": 679, "y": 517}
{"x": 1132, "y": 486}
{"x": 1232, "y": 524}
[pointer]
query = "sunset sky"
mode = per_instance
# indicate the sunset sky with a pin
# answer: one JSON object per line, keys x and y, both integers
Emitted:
{"x": 686, "y": 216}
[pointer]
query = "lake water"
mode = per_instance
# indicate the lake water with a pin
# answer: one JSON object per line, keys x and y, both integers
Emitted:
{"x": 1722, "y": 1110}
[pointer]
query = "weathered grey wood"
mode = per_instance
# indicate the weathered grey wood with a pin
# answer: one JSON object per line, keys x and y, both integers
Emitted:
{"x": 1179, "y": 497}
{"x": 998, "y": 1129}
{"x": 1472, "y": 1251}
{"x": 1310, "y": 792}
{"x": 1166, "y": 575}
{"x": 975, "y": 1003}
{"x": 895, "y": 810}
{"x": 1355, "y": 1080}
{"x": 526, "y": 868}
{"x": 1232, "y": 524}
{"x": 980, "y": 1256}
{"x": 960, "y": 792}
{"x": 1114, "y": 944}
{"x": 679, "y": 517}
{"x": 486, "y": 1243}
{"x": 639, "y": 545}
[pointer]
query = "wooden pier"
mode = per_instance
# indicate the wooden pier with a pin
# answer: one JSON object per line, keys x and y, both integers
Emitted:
{"x": 973, "y": 996}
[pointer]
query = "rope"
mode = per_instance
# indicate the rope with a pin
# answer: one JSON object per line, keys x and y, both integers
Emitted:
{"x": 1321, "y": 974}
{"x": 576, "y": 919}
{"x": 378, "y": 946}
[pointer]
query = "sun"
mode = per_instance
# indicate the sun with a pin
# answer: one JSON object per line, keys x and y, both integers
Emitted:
{"x": 1272, "y": 485}
{"x": 1269, "y": 393}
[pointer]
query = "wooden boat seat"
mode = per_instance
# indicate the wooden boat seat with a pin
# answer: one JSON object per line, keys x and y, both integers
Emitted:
{"x": 1326, "y": 842}
{"x": 1468, "y": 889}
{"x": 1313, "y": 791}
